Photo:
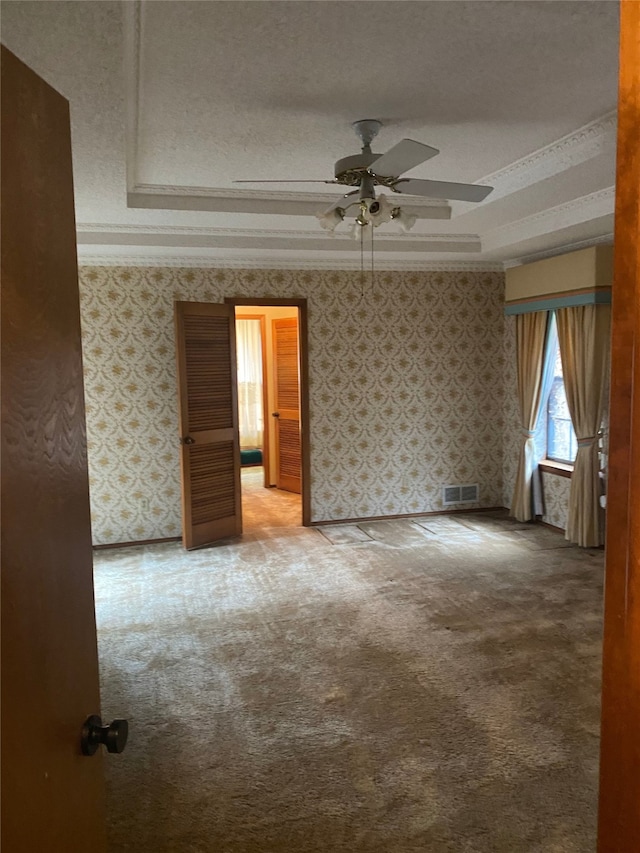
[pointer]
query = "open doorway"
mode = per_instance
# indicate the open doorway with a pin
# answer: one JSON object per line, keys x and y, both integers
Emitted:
{"x": 271, "y": 389}
{"x": 208, "y": 417}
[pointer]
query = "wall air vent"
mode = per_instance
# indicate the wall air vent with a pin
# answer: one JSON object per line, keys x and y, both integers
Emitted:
{"x": 460, "y": 494}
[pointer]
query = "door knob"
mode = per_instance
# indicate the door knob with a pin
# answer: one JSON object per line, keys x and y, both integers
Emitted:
{"x": 113, "y": 736}
{"x": 275, "y": 414}
{"x": 188, "y": 440}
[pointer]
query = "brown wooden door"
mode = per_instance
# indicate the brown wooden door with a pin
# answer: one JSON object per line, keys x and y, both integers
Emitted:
{"x": 52, "y": 795}
{"x": 286, "y": 372}
{"x": 619, "y": 812}
{"x": 207, "y": 392}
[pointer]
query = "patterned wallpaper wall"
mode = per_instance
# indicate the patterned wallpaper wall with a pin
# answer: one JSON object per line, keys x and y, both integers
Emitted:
{"x": 554, "y": 488}
{"x": 406, "y": 388}
{"x": 556, "y": 499}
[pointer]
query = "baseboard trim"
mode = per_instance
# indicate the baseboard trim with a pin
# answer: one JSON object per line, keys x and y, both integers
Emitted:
{"x": 136, "y": 542}
{"x": 552, "y": 526}
{"x": 405, "y": 515}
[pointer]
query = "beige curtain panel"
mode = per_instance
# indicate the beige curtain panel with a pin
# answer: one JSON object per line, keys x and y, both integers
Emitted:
{"x": 530, "y": 335}
{"x": 584, "y": 335}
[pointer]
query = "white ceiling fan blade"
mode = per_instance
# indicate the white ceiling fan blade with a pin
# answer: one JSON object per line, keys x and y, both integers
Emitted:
{"x": 286, "y": 181}
{"x": 442, "y": 189}
{"x": 341, "y": 201}
{"x": 402, "y": 157}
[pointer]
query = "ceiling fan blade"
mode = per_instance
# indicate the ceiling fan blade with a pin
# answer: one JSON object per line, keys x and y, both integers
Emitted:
{"x": 442, "y": 189}
{"x": 286, "y": 181}
{"x": 402, "y": 157}
{"x": 341, "y": 201}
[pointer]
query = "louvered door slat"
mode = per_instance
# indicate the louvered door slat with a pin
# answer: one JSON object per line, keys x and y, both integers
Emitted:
{"x": 289, "y": 447}
{"x": 209, "y": 382}
{"x": 205, "y": 336}
{"x": 287, "y": 398}
{"x": 212, "y": 482}
{"x": 287, "y": 367}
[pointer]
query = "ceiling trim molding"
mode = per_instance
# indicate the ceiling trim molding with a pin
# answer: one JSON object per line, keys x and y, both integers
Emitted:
{"x": 204, "y": 262}
{"x": 606, "y": 239}
{"x": 596, "y": 138}
{"x": 84, "y": 228}
{"x": 276, "y": 195}
{"x": 588, "y": 141}
{"x": 267, "y": 240}
{"x": 132, "y": 34}
{"x": 574, "y": 212}
{"x": 402, "y": 244}
{"x": 261, "y": 201}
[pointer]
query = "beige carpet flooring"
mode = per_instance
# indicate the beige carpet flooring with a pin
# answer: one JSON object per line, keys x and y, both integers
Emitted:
{"x": 263, "y": 508}
{"x": 428, "y": 685}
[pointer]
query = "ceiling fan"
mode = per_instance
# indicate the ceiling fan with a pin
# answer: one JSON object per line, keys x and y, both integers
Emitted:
{"x": 368, "y": 170}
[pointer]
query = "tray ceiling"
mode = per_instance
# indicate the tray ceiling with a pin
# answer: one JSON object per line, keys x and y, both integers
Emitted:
{"x": 172, "y": 101}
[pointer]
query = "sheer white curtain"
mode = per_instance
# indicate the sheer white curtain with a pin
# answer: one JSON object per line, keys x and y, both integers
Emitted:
{"x": 540, "y": 436}
{"x": 250, "y": 411}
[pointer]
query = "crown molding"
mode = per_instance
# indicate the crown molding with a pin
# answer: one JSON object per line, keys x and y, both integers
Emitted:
{"x": 605, "y": 239}
{"x": 590, "y": 140}
{"x": 205, "y": 262}
{"x": 570, "y": 150}
{"x": 574, "y": 212}
{"x": 268, "y": 240}
{"x": 87, "y": 228}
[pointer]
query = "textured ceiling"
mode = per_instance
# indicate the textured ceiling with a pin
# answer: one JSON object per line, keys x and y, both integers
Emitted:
{"x": 172, "y": 101}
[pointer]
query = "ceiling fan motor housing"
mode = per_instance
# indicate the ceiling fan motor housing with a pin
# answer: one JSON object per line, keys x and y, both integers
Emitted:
{"x": 349, "y": 170}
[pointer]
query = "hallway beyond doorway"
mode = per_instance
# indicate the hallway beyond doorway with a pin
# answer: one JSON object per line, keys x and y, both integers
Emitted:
{"x": 263, "y": 508}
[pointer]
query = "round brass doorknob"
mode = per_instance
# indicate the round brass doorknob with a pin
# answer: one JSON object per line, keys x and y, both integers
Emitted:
{"x": 188, "y": 440}
{"x": 275, "y": 414}
{"x": 114, "y": 736}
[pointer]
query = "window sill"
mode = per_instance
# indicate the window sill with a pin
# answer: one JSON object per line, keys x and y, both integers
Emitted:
{"x": 548, "y": 466}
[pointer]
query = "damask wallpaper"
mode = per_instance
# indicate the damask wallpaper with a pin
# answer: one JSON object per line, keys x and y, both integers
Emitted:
{"x": 556, "y": 499}
{"x": 406, "y": 388}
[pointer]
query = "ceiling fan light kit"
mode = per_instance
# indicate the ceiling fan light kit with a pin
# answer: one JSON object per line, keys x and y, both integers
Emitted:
{"x": 375, "y": 213}
{"x": 367, "y": 170}
{"x": 405, "y": 220}
{"x": 330, "y": 219}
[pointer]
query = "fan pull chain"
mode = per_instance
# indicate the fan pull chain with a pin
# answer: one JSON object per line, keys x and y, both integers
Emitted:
{"x": 372, "y": 270}
{"x": 361, "y": 262}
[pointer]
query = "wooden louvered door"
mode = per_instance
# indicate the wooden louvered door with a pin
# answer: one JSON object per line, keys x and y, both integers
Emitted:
{"x": 207, "y": 390}
{"x": 287, "y": 400}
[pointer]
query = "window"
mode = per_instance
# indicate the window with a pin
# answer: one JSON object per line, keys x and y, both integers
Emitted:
{"x": 562, "y": 444}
